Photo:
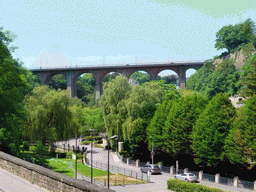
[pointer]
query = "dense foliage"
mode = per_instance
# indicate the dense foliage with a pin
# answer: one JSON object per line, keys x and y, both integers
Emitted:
{"x": 13, "y": 87}
{"x": 231, "y": 37}
{"x": 213, "y": 79}
{"x": 240, "y": 144}
{"x": 212, "y": 128}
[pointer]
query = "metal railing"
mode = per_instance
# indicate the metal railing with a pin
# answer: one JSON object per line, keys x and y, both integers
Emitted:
{"x": 119, "y": 170}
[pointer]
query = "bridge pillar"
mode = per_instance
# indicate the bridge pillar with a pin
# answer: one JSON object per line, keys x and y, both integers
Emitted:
{"x": 71, "y": 85}
{"x": 182, "y": 77}
{"x": 99, "y": 86}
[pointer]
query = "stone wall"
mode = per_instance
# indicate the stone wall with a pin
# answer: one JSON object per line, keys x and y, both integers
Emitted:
{"x": 46, "y": 178}
{"x": 237, "y": 56}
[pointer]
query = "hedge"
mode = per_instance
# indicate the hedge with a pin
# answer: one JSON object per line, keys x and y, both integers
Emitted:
{"x": 183, "y": 186}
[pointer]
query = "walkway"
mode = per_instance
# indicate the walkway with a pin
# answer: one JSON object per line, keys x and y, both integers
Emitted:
{"x": 159, "y": 182}
{"x": 13, "y": 183}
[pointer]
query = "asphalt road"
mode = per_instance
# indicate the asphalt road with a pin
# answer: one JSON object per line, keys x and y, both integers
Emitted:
{"x": 158, "y": 182}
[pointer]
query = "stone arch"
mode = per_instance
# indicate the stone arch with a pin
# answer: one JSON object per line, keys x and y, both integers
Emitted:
{"x": 169, "y": 75}
{"x": 143, "y": 71}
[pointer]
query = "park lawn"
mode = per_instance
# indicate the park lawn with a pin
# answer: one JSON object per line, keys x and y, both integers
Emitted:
{"x": 62, "y": 166}
{"x": 86, "y": 170}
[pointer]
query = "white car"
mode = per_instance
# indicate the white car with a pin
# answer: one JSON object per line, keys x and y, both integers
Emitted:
{"x": 187, "y": 177}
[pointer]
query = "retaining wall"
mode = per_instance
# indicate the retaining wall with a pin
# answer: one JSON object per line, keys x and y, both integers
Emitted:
{"x": 46, "y": 178}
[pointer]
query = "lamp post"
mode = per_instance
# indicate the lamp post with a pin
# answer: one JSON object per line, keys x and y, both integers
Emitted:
{"x": 113, "y": 137}
{"x": 92, "y": 144}
{"x": 152, "y": 152}
{"x": 76, "y": 156}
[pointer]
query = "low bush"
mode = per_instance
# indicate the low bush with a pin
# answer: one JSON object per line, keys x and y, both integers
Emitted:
{"x": 90, "y": 138}
{"x": 69, "y": 155}
{"x": 25, "y": 146}
{"x": 40, "y": 149}
{"x": 86, "y": 142}
{"x": 183, "y": 186}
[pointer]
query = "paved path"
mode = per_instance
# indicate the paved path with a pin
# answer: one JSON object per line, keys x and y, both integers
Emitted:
{"x": 159, "y": 182}
{"x": 13, "y": 183}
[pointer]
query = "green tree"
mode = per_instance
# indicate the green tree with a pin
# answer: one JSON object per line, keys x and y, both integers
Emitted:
{"x": 180, "y": 122}
{"x": 155, "y": 128}
{"x": 86, "y": 84}
{"x": 58, "y": 82}
{"x": 231, "y": 37}
{"x": 12, "y": 86}
{"x": 50, "y": 115}
{"x": 240, "y": 144}
{"x": 212, "y": 128}
{"x": 112, "y": 102}
{"x": 249, "y": 76}
{"x": 140, "y": 77}
{"x": 93, "y": 118}
{"x": 211, "y": 80}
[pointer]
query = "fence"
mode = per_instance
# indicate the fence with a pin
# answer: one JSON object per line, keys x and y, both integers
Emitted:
{"x": 119, "y": 170}
{"x": 203, "y": 176}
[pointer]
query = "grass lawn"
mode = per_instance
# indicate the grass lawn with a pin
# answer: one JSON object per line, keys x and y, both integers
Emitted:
{"x": 63, "y": 166}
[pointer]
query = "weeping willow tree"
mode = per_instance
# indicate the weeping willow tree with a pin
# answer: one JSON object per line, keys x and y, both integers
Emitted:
{"x": 122, "y": 104}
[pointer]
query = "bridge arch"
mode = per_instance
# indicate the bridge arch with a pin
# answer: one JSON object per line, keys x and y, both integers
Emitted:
{"x": 99, "y": 72}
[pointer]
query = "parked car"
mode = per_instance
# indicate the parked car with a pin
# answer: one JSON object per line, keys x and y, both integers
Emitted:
{"x": 187, "y": 177}
{"x": 152, "y": 168}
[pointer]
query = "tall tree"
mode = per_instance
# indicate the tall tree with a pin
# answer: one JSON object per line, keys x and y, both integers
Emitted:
{"x": 50, "y": 115}
{"x": 231, "y": 37}
{"x": 140, "y": 77}
{"x": 212, "y": 128}
{"x": 155, "y": 128}
{"x": 112, "y": 102}
{"x": 180, "y": 122}
{"x": 12, "y": 86}
{"x": 240, "y": 144}
{"x": 249, "y": 76}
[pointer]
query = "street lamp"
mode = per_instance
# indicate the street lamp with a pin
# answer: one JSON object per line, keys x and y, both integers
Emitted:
{"x": 152, "y": 152}
{"x": 93, "y": 130}
{"x": 113, "y": 137}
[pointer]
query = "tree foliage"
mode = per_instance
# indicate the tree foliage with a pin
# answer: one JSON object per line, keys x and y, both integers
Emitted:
{"x": 212, "y": 128}
{"x": 240, "y": 144}
{"x": 230, "y": 37}
{"x": 180, "y": 121}
{"x": 50, "y": 115}
{"x": 249, "y": 77}
{"x": 12, "y": 89}
{"x": 141, "y": 77}
{"x": 213, "y": 79}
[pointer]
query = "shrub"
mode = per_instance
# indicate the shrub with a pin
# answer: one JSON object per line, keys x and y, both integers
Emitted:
{"x": 25, "y": 146}
{"x": 79, "y": 156}
{"x": 69, "y": 155}
{"x": 86, "y": 142}
{"x": 40, "y": 149}
{"x": 183, "y": 186}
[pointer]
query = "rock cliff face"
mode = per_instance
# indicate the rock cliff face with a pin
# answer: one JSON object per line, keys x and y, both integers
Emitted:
{"x": 238, "y": 56}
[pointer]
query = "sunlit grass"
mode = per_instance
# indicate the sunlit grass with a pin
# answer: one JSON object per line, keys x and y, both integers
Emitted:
{"x": 63, "y": 166}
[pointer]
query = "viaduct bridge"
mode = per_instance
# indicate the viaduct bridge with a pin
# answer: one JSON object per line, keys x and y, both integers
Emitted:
{"x": 71, "y": 74}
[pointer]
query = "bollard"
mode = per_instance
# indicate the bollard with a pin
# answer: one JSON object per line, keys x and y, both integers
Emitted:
{"x": 235, "y": 181}
{"x": 217, "y": 178}
{"x": 172, "y": 170}
{"x": 200, "y": 175}
{"x": 137, "y": 163}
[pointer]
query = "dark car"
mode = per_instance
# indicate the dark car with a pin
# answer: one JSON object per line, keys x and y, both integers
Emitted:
{"x": 152, "y": 168}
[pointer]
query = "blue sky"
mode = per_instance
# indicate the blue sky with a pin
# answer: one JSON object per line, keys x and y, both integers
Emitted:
{"x": 58, "y": 33}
